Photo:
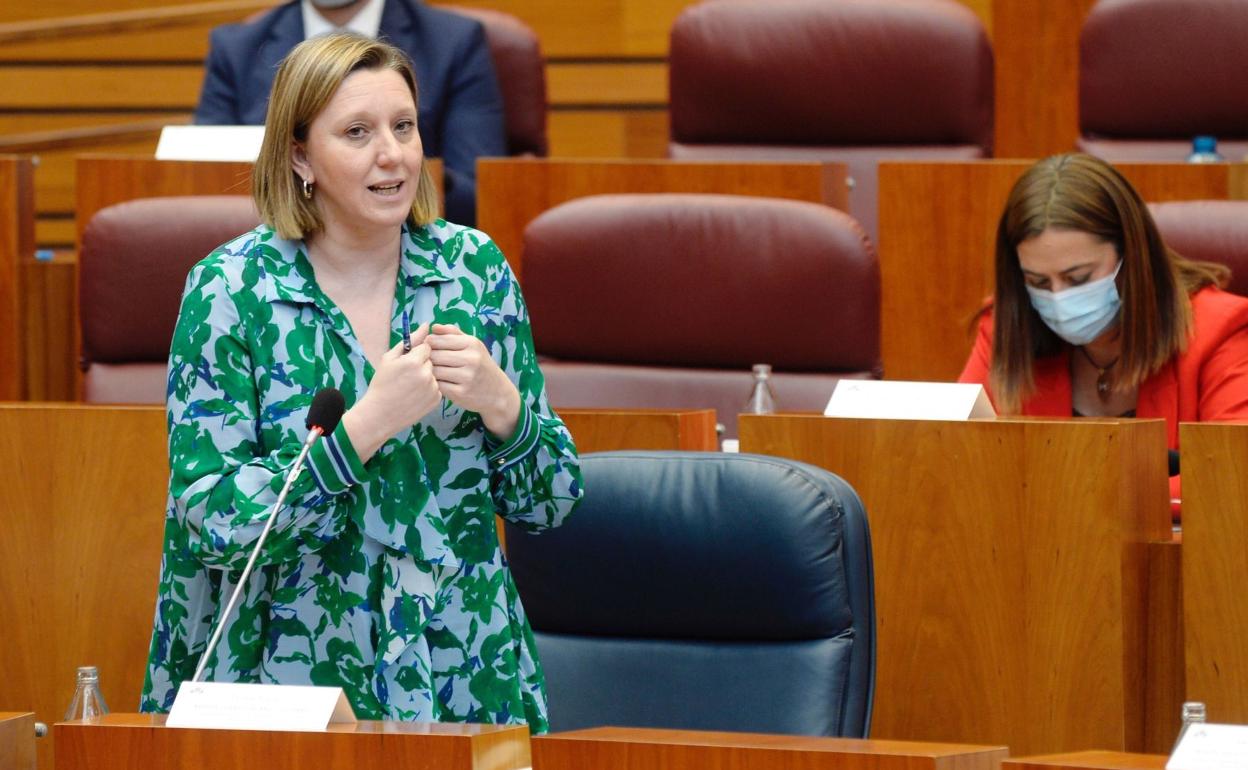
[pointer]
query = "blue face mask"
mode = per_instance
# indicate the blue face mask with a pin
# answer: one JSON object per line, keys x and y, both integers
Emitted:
{"x": 1082, "y": 313}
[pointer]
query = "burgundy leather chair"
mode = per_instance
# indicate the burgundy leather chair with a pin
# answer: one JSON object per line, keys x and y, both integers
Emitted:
{"x": 521, "y": 72}
{"x": 1213, "y": 231}
{"x": 133, "y": 262}
{"x": 1155, "y": 73}
{"x": 851, "y": 81}
{"x": 666, "y": 300}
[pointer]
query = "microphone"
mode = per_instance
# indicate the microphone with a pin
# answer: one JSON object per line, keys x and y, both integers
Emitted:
{"x": 323, "y": 417}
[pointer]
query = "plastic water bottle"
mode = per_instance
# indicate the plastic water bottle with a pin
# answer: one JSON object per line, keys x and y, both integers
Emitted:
{"x": 88, "y": 703}
{"x": 1205, "y": 150}
{"x": 762, "y": 400}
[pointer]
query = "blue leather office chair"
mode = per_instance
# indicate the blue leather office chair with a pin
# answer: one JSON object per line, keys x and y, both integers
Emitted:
{"x": 705, "y": 591}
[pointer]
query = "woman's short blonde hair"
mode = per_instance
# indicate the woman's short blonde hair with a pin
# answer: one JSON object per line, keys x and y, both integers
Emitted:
{"x": 306, "y": 81}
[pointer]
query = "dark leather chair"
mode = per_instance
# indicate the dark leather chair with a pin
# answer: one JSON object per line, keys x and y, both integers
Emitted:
{"x": 667, "y": 300}
{"x": 132, "y": 267}
{"x": 1155, "y": 73}
{"x": 851, "y": 81}
{"x": 1213, "y": 231}
{"x": 521, "y": 72}
{"x": 705, "y": 591}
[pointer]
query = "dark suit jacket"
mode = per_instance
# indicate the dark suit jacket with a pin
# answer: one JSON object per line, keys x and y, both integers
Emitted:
{"x": 460, "y": 110}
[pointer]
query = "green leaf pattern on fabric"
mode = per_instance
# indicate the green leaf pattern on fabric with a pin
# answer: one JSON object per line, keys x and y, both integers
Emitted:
{"x": 384, "y": 578}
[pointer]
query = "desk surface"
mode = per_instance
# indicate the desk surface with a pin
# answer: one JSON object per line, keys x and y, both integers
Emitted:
{"x": 1088, "y": 760}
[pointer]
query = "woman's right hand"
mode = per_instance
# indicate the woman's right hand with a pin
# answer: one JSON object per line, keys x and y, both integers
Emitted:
{"x": 402, "y": 391}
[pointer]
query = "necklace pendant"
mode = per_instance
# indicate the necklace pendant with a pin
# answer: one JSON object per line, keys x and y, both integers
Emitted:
{"x": 1102, "y": 387}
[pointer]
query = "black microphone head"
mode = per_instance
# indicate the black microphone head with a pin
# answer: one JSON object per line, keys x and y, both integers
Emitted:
{"x": 326, "y": 410}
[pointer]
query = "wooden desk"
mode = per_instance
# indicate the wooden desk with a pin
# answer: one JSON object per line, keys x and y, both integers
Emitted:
{"x": 602, "y": 430}
{"x": 1215, "y": 567}
{"x": 1010, "y": 570}
{"x": 938, "y": 226}
{"x": 17, "y": 245}
{"x": 17, "y": 740}
{"x": 79, "y": 559}
{"x": 141, "y": 741}
{"x": 623, "y": 748}
{"x": 1089, "y": 760}
{"x": 513, "y": 192}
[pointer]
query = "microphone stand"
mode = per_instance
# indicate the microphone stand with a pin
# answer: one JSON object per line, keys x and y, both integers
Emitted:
{"x": 313, "y": 435}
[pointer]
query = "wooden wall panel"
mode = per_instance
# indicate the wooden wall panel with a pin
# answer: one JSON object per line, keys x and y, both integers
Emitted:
{"x": 937, "y": 233}
{"x": 17, "y": 740}
{"x": 603, "y": 430}
{"x": 1010, "y": 570}
{"x": 631, "y": 133}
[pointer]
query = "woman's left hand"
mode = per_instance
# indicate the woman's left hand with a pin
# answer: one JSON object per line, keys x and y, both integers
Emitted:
{"x": 467, "y": 375}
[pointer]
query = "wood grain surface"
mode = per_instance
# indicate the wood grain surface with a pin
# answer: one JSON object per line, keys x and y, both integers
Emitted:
{"x": 142, "y": 742}
{"x": 1010, "y": 570}
{"x": 17, "y": 243}
{"x": 620, "y": 748}
{"x": 1215, "y": 568}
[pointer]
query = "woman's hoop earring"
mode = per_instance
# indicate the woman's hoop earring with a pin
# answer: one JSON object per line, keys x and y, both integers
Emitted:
{"x": 307, "y": 189}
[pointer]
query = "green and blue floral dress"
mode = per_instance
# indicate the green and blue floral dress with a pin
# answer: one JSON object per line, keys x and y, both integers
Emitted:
{"x": 384, "y": 578}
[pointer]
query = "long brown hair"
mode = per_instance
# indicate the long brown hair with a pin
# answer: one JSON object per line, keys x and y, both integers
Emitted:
{"x": 306, "y": 80}
{"x": 1079, "y": 192}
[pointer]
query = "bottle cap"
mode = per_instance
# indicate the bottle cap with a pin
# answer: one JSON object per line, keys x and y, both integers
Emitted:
{"x": 762, "y": 368}
{"x": 88, "y": 672}
{"x": 1204, "y": 144}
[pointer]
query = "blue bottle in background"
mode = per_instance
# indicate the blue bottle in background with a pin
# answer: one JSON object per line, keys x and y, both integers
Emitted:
{"x": 1205, "y": 150}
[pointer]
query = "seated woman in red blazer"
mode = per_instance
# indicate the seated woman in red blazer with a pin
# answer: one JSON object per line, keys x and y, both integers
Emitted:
{"x": 1094, "y": 315}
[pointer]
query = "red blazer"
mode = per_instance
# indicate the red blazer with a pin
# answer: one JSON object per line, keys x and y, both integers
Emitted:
{"x": 1206, "y": 382}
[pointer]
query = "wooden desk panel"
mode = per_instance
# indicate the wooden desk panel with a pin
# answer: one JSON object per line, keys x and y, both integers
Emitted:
{"x": 1089, "y": 760}
{"x": 1010, "y": 570}
{"x": 513, "y": 192}
{"x": 624, "y": 748}
{"x": 141, "y": 741}
{"x": 938, "y": 226}
{"x": 604, "y": 430}
{"x": 17, "y": 243}
{"x": 1215, "y": 567}
{"x": 83, "y": 504}
{"x": 83, "y": 508}
{"x": 17, "y": 740}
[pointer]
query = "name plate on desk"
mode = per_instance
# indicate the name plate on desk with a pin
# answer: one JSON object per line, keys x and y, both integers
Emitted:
{"x": 1211, "y": 747}
{"x": 901, "y": 400}
{"x": 234, "y": 706}
{"x": 213, "y": 143}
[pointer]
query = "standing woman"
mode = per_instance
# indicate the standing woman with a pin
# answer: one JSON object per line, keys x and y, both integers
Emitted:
{"x": 383, "y": 573}
{"x": 1094, "y": 315}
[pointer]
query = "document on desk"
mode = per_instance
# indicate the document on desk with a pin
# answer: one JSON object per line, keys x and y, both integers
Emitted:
{"x": 1211, "y": 747}
{"x": 901, "y": 400}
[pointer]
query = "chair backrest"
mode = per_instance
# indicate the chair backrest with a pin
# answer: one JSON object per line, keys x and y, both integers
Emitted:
{"x": 521, "y": 72}
{"x": 667, "y": 300}
{"x": 132, "y": 266}
{"x": 705, "y": 591}
{"x": 1212, "y": 231}
{"x": 852, "y": 81}
{"x": 1155, "y": 73}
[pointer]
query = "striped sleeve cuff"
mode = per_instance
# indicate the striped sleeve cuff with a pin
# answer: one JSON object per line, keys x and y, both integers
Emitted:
{"x": 522, "y": 441}
{"x": 334, "y": 464}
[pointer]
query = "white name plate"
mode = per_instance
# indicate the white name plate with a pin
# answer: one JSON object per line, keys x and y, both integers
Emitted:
{"x": 900, "y": 400}
{"x": 219, "y": 143}
{"x": 233, "y": 706}
{"x": 1211, "y": 747}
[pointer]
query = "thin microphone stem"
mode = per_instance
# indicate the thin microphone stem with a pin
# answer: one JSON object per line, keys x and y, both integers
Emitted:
{"x": 255, "y": 552}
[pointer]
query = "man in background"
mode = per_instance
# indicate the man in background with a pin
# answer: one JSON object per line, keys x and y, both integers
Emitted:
{"x": 460, "y": 115}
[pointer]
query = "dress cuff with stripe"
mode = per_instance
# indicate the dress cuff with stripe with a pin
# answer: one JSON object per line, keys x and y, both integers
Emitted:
{"x": 522, "y": 441}
{"x": 334, "y": 464}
